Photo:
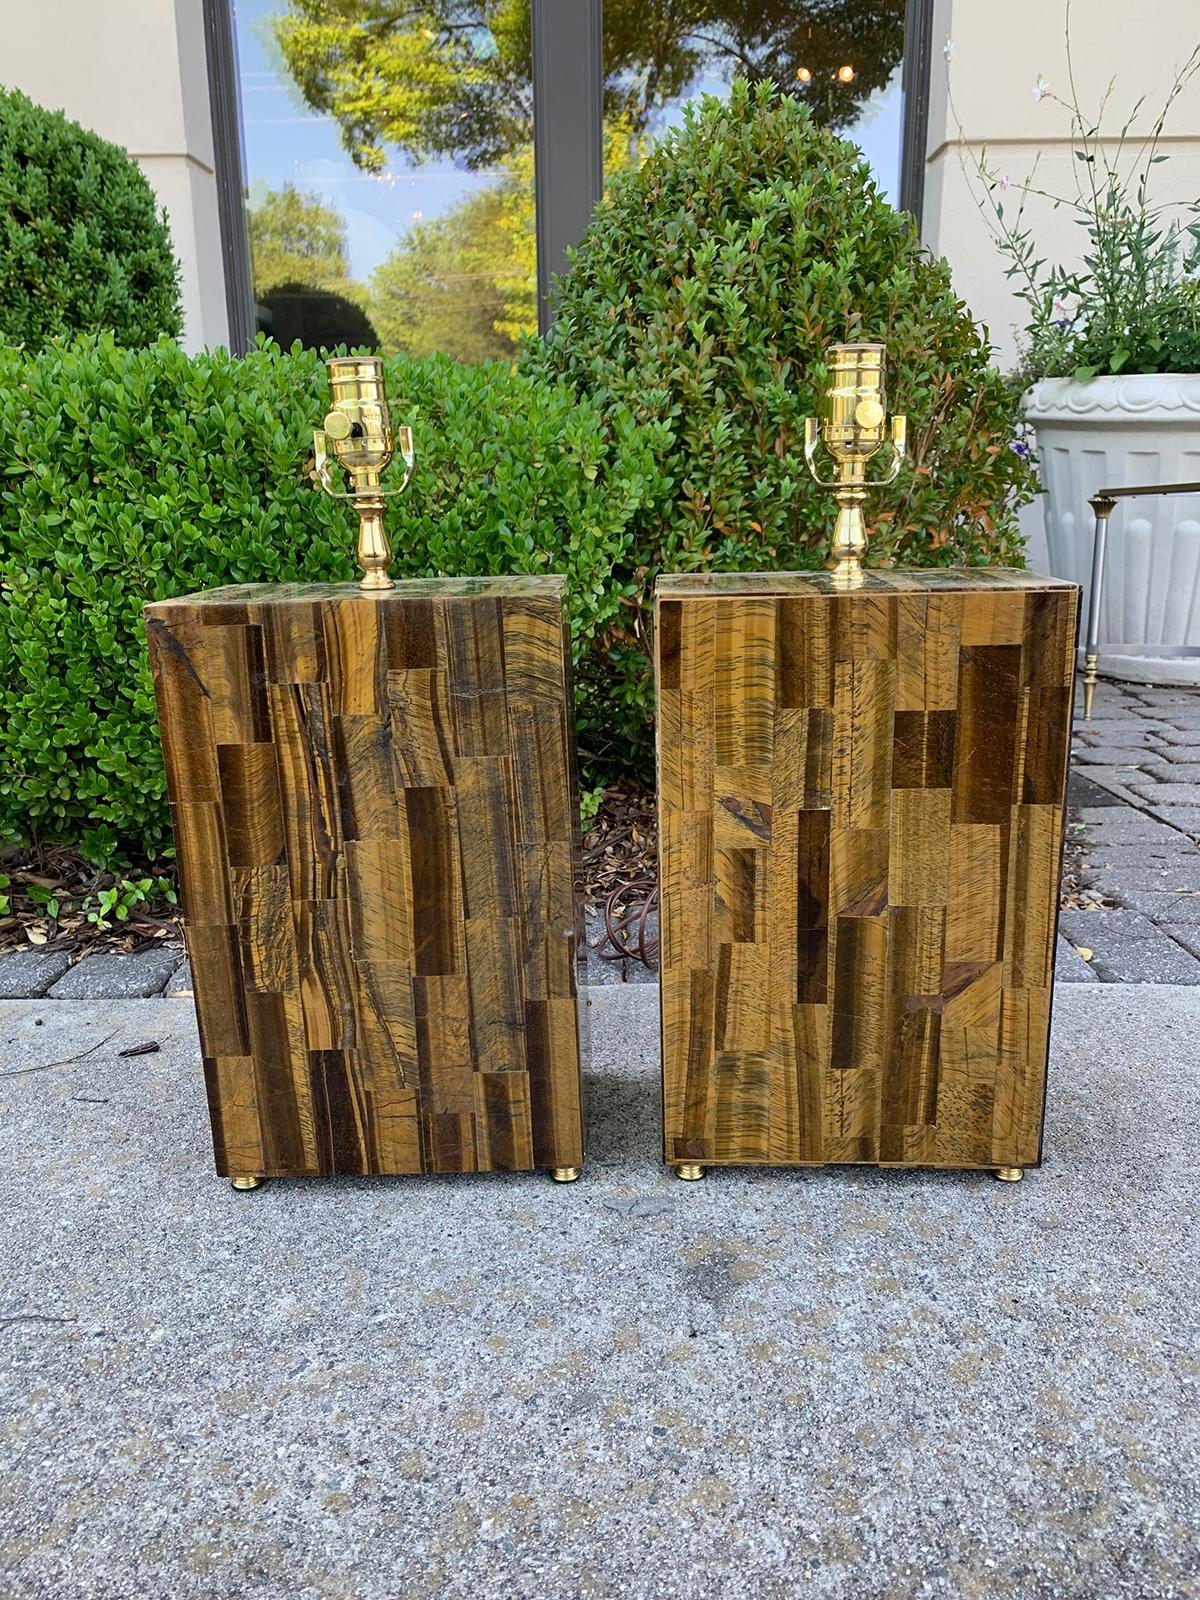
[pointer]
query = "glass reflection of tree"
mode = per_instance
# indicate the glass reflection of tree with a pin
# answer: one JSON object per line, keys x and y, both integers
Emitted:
{"x": 302, "y": 282}
{"x": 294, "y": 238}
{"x": 450, "y": 79}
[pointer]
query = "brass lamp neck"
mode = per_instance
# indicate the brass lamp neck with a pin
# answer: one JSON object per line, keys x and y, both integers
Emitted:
{"x": 851, "y": 426}
{"x": 358, "y": 430}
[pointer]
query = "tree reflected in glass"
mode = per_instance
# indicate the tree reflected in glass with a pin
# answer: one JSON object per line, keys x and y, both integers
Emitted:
{"x": 450, "y": 81}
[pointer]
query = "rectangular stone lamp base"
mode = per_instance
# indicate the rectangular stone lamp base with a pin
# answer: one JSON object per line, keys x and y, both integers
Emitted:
{"x": 861, "y": 802}
{"x": 377, "y": 828}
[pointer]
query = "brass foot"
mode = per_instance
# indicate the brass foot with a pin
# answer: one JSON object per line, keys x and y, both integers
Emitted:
{"x": 565, "y": 1174}
{"x": 689, "y": 1171}
{"x": 250, "y": 1181}
{"x": 1091, "y": 671}
{"x": 1010, "y": 1174}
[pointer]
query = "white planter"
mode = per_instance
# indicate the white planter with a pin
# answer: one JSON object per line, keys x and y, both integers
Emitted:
{"x": 1109, "y": 432}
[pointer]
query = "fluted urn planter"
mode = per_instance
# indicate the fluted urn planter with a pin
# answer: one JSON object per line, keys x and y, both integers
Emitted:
{"x": 1140, "y": 428}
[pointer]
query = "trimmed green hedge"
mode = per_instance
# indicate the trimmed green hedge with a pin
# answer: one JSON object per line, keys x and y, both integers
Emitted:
{"x": 83, "y": 248}
{"x": 128, "y": 476}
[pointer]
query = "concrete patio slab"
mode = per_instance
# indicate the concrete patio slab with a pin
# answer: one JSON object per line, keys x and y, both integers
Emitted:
{"x": 769, "y": 1384}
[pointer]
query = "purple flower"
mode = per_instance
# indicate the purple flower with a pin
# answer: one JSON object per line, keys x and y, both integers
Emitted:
{"x": 1020, "y": 447}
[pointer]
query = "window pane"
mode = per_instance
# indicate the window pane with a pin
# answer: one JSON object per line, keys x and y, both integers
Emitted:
{"x": 842, "y": 57}
{"x": 389, "y": 165}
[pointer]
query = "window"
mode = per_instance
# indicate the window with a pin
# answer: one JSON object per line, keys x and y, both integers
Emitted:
{"x": 389, "y": 162}
{"x": 389, "y": 146}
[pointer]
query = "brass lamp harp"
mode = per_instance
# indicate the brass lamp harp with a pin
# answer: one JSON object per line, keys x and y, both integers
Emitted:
{"x": 852, "y": 428}
{"x": 359, "y": 430}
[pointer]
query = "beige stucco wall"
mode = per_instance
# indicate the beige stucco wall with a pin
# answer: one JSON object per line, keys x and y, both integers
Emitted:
{"x": 135, "y": 71}
{"x": 998, "y": 53}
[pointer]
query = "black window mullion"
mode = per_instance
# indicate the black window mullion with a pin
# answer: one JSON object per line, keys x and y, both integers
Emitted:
{"x": 918, "y": 66}
{"x": 568, "y": 135}
{"x": 227, "y": 160}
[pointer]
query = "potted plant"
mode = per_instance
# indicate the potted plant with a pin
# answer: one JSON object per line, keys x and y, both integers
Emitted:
{"x": 1110, "y": 369}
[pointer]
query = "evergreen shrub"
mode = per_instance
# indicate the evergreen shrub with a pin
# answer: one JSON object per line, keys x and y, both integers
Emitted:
{"x": 83, "y": 248}
{"x": 703, "y": 298}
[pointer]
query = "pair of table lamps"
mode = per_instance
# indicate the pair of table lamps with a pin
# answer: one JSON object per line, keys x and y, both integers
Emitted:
{"x": 861, "y": 800}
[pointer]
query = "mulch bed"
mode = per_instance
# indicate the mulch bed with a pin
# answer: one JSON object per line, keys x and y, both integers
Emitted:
{"x": 620, "y": 846}
{"x": 619, "y": 853}
{"x": 54, "y": 872}
{"x": 620, "y": 875}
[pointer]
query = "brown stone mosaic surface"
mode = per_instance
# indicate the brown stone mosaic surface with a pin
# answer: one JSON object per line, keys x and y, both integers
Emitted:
{"x": 377, "y": 826}
{"x": 861, "y": 811}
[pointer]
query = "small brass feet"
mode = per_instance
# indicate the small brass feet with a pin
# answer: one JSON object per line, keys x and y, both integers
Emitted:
{"x": 250, "y": 1181}
{"x": 689, "y": 1171}
{"x": 1010, "y": 1174}
{"x": 565, "y": 1174}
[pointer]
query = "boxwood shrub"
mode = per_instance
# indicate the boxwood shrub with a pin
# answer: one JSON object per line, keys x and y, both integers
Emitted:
{"x": 660, "y": 429}
{"x": 83, "y": 246}
{"x": 704, "y": 296}
{"x": 131, "y": 475}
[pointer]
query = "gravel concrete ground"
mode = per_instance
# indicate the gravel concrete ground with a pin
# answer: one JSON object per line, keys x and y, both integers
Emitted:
{"x": 830, "y": 1383}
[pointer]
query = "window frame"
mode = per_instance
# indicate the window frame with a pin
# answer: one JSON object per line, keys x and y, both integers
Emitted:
{"x": 914, "y": 135}
{"x": 568, "y": 133}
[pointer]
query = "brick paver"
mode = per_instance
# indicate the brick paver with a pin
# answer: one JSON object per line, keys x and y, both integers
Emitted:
{"x": 1141, "y": 750}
